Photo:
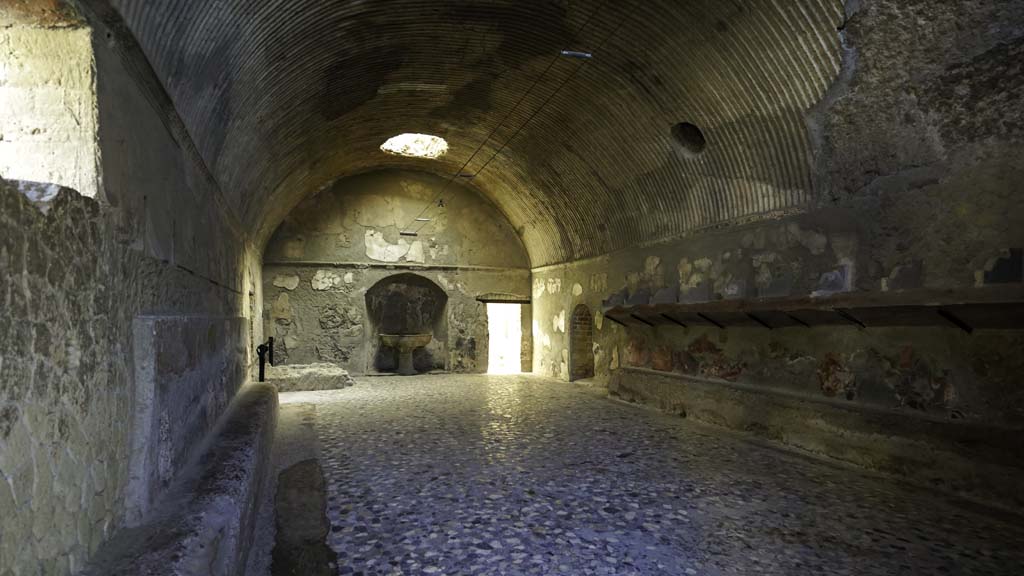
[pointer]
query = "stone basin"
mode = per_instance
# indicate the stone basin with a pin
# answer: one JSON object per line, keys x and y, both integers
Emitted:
{"x": 405, "y": 344}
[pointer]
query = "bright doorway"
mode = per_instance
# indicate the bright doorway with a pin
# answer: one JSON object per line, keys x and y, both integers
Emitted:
{"x": 504, "y": 322}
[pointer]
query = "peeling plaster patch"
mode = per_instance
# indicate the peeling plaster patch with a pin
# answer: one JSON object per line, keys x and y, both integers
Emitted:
{"x": 288, "y": 282}
{"x": 599, "y": 282}
{"x": 325, "y": 280}
{"x": 558, "y": 322}
{"x": 416, "y": 253}
{"x": 577, "y": 289}
{"x": 652, "y": 271}
{"x": 554, "y": 285}
{"x": 450, "y": 285}
{"x": 692, "y": 274}
{"x": 564, "y": 365}
{"x": 762, "y": 268}
{"x": 598, "y": 320}
{"x": 282, "y": 307}
{"x": 615, "y": 358}
{"x": 436, "y": 251}
{"x": 377, "y": 248}
{"x": 539, "y": 287}
{"x": 349, "y": 278}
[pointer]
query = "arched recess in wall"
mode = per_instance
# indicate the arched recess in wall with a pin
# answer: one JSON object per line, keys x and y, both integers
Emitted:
{"x": 581, "y": 344}
{"x": 407, "y": 304}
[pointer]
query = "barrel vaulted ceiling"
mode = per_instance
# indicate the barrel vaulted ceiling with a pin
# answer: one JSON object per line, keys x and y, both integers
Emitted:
{"x": 282, "y": 97}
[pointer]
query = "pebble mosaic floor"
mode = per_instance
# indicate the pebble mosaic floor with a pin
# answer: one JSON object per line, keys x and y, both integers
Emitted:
{"x": 523, "y": 475}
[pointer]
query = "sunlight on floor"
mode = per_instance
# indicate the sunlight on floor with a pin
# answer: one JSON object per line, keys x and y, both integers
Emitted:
{"x": 505, "y": 341}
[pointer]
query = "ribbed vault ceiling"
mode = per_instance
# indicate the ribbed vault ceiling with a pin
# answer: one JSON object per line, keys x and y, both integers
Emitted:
{"x": 283, "y": 97}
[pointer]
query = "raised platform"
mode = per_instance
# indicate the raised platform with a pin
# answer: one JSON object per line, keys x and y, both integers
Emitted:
{"x": 308, "y": 377}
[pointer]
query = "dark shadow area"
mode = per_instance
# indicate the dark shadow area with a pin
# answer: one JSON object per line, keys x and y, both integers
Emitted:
{"x": 300, "y": 547}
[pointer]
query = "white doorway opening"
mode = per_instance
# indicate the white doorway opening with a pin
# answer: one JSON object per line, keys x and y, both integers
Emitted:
{"x": 504, "y": 323}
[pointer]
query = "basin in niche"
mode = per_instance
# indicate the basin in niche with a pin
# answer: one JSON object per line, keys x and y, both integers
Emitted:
{"x": 405, "y": 344}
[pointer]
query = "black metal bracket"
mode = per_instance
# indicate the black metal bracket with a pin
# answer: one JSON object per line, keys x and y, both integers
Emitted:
{"x": 265, "y": 352}
{"x": 955, "y": 321}
{"x": 708, "y": 319}
{"x": 639, "y": 319}
{"x": 673, "y": 320}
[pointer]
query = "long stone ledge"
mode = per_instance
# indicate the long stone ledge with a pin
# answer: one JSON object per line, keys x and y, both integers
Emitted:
{"x": 969, "y": 459}
{"x": 205, "y": 524}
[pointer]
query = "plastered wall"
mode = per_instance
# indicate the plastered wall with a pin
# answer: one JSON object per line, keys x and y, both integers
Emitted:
{"x": 336, "y": 245}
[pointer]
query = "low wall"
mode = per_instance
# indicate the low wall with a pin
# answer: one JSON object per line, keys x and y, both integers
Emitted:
{"x": 974, "y": 460}
{"x": 206, "y": 524}
{"x": 187, "y": 369}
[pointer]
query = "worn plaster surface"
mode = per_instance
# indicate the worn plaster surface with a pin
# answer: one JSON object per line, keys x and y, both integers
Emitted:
{"x": 333, "y": 268}
{"x": 74, "y": 273}
{"x": 527, "y": 475}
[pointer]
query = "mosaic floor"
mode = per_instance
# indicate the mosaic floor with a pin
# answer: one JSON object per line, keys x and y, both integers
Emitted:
{"x": 522, "y": 475}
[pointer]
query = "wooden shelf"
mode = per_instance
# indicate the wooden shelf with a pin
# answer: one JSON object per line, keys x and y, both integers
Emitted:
{"x": 992, "y": 307}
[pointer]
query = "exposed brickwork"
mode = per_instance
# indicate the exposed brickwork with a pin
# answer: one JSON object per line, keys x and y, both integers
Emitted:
{"x": 582, "y": 343}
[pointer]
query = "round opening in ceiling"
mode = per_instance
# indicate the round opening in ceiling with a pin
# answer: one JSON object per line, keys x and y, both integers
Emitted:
{"x": 416, "y": 146}
{"x": 690, "y": 137}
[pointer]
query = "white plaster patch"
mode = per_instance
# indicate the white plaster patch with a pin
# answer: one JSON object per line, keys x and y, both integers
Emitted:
{"x": 598, "y": 320}
{"x": 349, "y": 278}
{"x": 554, "y": 285}
{"x": 377, "y": 248}
{"x": 286, "y": 281}
{"x": 577, "y": 289}
{"x": 416, "y": 253}
{"x": 558, "y": 322}
{"x": 325, "y": 280}
{"x": 539, "y": 287}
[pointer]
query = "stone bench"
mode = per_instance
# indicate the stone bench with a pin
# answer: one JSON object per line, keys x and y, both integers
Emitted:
{"x": 205, "y": 523}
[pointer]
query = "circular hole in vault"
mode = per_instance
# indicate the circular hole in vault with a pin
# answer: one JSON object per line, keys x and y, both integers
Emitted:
{"x": 690, "y": 138}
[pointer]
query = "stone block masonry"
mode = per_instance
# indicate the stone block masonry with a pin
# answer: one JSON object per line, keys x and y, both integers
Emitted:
{"x": 48, "y": 96}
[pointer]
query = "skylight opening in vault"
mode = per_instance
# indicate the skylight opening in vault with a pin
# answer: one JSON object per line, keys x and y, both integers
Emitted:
{"x": 416, "y": 146}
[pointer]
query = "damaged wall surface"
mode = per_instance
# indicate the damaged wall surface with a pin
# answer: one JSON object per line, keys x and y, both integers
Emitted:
{"x": 48, "y": 95}
{"x": 920, "y": 185}
{"x": 337, "y": 245}
{"x": 75, "y": 272}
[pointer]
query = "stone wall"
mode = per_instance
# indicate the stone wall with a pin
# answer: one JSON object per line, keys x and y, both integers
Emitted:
{"x": 335, "y": 246}
{"x": 75, "y": 272}
{"x": 48, "y": 98}
{"x": 919, "y": 156}
{"x": 187, "y": 369}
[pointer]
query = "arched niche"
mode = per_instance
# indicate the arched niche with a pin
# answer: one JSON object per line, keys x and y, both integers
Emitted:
{"x": 407, "y": 304}
{"x": 581, "y": 344}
